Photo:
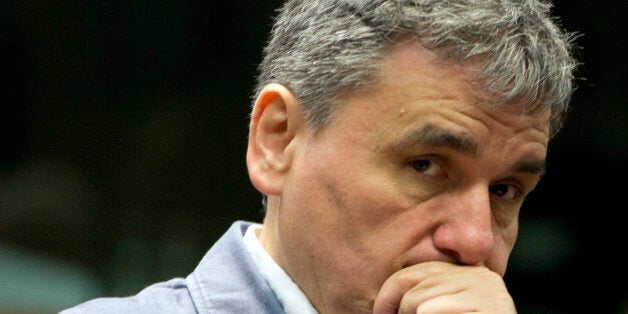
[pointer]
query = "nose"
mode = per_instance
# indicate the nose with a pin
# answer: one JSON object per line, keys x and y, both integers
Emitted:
{"x": 467, "y": 231}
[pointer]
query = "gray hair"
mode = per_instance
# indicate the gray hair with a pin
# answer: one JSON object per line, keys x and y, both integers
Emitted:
{"x": 321, "y": 49}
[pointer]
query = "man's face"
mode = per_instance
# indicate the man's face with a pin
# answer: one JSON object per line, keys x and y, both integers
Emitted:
{"x": 418, "y": 168}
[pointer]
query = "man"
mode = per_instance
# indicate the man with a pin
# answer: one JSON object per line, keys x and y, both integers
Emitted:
{"x": 394, "y": 142}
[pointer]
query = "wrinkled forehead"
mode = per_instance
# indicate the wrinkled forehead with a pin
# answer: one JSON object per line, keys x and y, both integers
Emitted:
{"x": 408, "y": 53}
{"x": 408, "y": 57}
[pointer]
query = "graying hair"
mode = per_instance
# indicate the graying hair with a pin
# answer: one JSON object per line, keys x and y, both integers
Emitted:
{"x": 321, "y": 49}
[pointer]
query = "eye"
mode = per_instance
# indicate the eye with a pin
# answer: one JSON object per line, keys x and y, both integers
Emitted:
{"x": 505, "y": 191}
{"x": 426, "y": 167}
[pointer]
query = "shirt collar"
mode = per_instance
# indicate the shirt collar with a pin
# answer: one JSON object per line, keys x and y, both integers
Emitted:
{"x": 288, "y": 293}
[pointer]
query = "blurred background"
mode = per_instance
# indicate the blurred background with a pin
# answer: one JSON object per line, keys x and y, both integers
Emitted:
{"x": 123, "y": 129}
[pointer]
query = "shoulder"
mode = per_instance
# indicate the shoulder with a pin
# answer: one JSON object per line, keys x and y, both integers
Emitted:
{"x": 225, "y": 281}
{"x": 165, "y": 297}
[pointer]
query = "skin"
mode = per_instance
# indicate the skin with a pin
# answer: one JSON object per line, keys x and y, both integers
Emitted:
{"x": 407, "y": 201}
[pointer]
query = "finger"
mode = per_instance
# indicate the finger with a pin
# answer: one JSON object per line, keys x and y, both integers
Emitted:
{"x": 472, "y": 289}
{"x": 446, "y": 304}
{"x": 464, "y": 302}
{"x": 394, "y": 288}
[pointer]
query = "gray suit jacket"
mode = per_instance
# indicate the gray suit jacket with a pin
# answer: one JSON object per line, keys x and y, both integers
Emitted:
{"x": 225, "y": 281}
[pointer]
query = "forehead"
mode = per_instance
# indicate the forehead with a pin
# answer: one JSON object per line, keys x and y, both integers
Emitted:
{"x": 410, "y": 73}
{"x": 415, "y": 88}
{"x": 411, "y": 67}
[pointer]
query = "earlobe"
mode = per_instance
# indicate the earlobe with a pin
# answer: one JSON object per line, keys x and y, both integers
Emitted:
{"x": 276, "y": 122}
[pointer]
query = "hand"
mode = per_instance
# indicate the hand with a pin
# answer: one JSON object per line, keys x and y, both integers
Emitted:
{"x": 439, "y": 287}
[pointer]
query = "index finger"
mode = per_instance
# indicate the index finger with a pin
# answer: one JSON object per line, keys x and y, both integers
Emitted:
{"x": 393, "y": 289}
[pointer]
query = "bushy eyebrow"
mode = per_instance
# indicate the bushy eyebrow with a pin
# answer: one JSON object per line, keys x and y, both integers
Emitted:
{"x": 434, "y": 136}
{"x": 531, "y": 166}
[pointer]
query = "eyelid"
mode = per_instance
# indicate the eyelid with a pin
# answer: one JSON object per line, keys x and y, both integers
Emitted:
{"x": 436, "y": 160}
{"x": 439, "y": 159}
{"x": 525, "y": 186}
{"x": 430, "y": 157}
{"x": 519, "y": 191}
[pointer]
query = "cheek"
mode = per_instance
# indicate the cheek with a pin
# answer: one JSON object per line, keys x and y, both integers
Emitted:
{"x": 369, "y": 219}
{"x": 347, "y": 199}
{"x": 504, "y": 247}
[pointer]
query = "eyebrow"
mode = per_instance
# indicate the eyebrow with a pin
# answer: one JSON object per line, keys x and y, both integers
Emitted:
{"x": 434, "y": 136}
{"x": 531, "y": 166}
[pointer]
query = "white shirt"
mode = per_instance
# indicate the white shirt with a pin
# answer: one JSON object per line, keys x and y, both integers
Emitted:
{"x": 288, "y": 293}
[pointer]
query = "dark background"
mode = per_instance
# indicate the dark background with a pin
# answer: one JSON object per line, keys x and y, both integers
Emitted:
{"x": 123, "y": 129}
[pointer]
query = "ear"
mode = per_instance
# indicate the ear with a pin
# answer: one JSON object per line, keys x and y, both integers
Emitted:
{"x": 276, "y": 123}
